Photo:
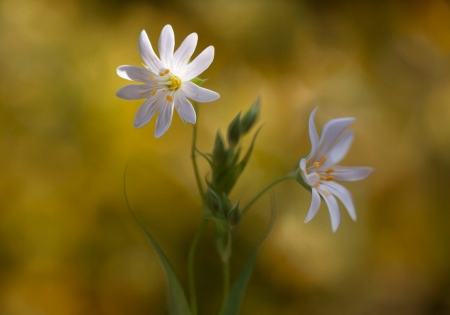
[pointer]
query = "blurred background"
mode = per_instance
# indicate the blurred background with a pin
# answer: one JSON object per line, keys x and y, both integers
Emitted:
{"x": 68, "y": 244}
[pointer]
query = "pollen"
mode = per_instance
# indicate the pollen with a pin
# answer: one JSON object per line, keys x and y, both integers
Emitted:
{"x": 329, "y": 171}
{"x": 316, "y": 185}
{"x": 152, "y": 77}
{"x": 163, "y": 73}
{"x": 169, "y": 98}
{"x": 329, "y": 178}
{"x": 153, "y": 92}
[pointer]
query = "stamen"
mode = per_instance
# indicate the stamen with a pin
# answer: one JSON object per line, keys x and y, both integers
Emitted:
{"x": 153, "y": 92}
{"x": 326, "y": 193}
{"x": 329, "y": 171}
{"x": 316, "y": 185}
{"x": 166, "y": 71}
{"x": 169, "y": 98}
{"x": 152, "y": 77}
{"x": 322, "y": 160}
{"x": 329, "y": 178}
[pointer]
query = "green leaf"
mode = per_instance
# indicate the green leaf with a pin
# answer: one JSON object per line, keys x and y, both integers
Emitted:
{"x": 237, "y": 292}
{"x": 178, "y": 304}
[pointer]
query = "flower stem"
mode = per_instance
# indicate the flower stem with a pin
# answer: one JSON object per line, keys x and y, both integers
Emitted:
{"x": 276, "y": 181}
{"x": 226, "y": 283}
{"x": 194, "y": 160}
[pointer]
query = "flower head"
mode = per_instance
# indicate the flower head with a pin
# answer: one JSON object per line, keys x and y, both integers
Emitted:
{"x": 167, "y": 81}
{"x": 319, "y": 172}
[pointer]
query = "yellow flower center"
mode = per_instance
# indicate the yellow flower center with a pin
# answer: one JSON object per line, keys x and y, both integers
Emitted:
{"x": 174, "y": 83}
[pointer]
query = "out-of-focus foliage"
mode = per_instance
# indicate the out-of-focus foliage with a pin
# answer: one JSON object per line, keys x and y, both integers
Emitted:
{"x": 68, "y": 244}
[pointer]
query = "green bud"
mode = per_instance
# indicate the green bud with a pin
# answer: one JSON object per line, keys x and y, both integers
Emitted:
{"x": 234, "y": 131}
{"x": 213, "y": 203}
{"x": 250, "y": 117}
{"x": 234, "y": 216}
{"x": 218, "y": 151}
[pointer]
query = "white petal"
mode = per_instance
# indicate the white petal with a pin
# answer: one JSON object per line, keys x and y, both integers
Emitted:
{"x": 315, "y": 204}
{"x": 339, "y": 150}
{"x": 331, "y": 132}
{"x": 146, "y": 112}
{"x": 134, "y": 73}
{"x": 164, "y": 119}
{"x": 333, "y": 208}
{"x": 343, "y": 195}
{"x": 197, "y": 93}
{"x": 148, "y": 55}
{"x": 166, "y": 45}
{"x": 185, "y": 109}
{"x": 184, "y": 52}
{"x": 303, "y": 164}
{"x": 134, "y": 92}
{"x": 313, "y": 133}
{"x": 198, "y": 65}
{"x": 351, "y": 173}
{"x": 312, "y": 178}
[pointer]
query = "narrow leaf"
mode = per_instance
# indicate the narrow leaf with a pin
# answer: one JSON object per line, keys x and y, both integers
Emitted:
{"x": 178, "y": 304}
{"x": 237, "y": 292}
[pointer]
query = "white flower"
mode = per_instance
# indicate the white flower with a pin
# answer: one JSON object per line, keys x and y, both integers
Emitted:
{"x": 167, "y": 81}
{"x": 319, "y": 171}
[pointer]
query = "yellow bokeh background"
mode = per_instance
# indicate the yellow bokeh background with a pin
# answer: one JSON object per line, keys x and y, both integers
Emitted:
{"x": 68, "y": 244}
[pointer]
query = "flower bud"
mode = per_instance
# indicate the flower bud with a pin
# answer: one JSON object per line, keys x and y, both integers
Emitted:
{"x": 234, "y": 131}
{"x": 218, "y": 151}
{"x": 234, "y": 216}
{"x": 213, "y": 203}
{"x": 250, "y": 117}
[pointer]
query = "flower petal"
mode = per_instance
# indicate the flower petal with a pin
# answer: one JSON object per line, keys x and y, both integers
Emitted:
{"x": 333, "y": 208}
{"x": 339, "y": 150}
{"x": 164, "y": 119}
{"x": 343, "y": 195}
{"x": 134, "y": 73}
{"x": 148, "y": 55}
{"x": 133, "y": 92}
{"x": 351, "y": 173}
{"x": 184, "y": 52}
{"x": 197, "y": 93}
{"x": 315, "y": 204}
{"x": 331, "y": 132}
{"x": 313, "y": 133}
{"x": 166, "y": 45}
{"x": 198, "y": 65}
{"x": 146, "y": 112}
{"x": 185, "y": 109}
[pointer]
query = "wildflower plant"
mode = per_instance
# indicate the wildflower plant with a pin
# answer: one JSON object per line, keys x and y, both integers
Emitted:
{"x": 166, "y": 84}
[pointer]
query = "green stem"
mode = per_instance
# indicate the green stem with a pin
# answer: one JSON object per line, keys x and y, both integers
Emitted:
{"x": 191, "y": 274}
{"x": 226, "y": 284}
{"x": 194, "y": 160}
{"x": 276, "y": 181}
{"x": 201, "y": 228}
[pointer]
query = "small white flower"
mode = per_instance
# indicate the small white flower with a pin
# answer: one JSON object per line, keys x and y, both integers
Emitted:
{"x": 167, "y": 81}
{"x": 319, "y": 171}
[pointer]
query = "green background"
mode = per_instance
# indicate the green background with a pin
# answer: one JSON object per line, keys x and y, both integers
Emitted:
{"x": 68, "y": 244}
